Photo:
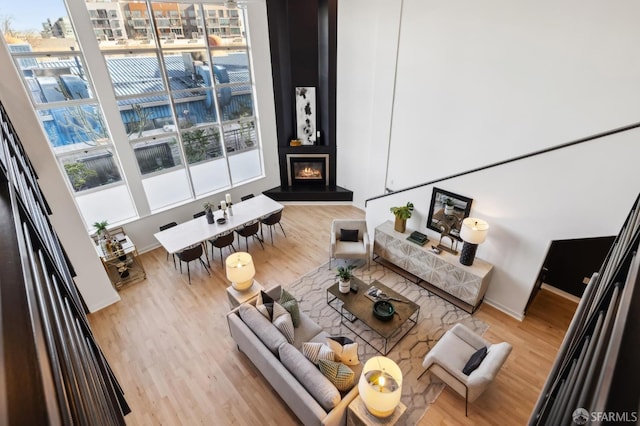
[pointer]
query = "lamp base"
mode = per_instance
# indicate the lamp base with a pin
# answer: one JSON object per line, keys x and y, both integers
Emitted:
{"x": 468, "y": 253}
{"x": 243, "y": 286}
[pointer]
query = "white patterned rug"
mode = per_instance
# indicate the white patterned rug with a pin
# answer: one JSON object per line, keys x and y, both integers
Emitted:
{"x": 436, "y": 317}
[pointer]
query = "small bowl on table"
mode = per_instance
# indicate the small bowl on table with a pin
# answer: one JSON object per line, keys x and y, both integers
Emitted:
{"x": 383, "y": 310}
{"x": 221, "y": 220}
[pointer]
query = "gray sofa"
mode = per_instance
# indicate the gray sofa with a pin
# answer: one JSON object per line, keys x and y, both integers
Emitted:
{"x": 310, "y": 395}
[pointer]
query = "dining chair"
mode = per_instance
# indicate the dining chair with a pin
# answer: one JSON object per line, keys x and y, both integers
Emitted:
{"x": 199, "y": 214}
{"x": 222, "y": 241}
{"x": 250, "y": 230}
{"x": 164, "y": 227}
{"x": 189, "y": 255}
{"x": 271, "y": 221}
{"x": 246, "y": 197}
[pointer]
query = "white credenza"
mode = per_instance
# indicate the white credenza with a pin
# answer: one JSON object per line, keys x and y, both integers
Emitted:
{"x": 442, "y": 273}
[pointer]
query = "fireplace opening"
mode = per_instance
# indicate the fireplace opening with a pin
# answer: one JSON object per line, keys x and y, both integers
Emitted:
{"x": 308, "y": 169}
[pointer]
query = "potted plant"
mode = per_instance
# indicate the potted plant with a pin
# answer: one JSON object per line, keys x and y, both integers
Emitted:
{"x": 344, "y": 273}
{"x": 101, "y": 228}
{"x": 402, "y": 214}
{"x": 448, "y": 206}
{"x": 208, "y": 209}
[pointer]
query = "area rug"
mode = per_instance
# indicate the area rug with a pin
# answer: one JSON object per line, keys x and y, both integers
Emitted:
{"x": 436, "y": 316}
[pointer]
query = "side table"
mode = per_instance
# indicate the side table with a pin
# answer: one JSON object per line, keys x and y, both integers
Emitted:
{"x": 236, "y": 298}
{"x": 357, "y": 415}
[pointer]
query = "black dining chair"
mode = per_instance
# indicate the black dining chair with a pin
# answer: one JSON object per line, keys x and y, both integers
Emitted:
{"x": 225, "y": 240}
{"x": 250, "y": 230}
{"x": 271, "y": 221}
{"x": 189, "y": 255}
{"x": 167, "y": 226}
{"x": 246, "y": 197}
{"x": 199, "y": 214}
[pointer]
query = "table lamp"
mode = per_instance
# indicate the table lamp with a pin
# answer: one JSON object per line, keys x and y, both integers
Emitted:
{"x": 240, "y": 270}
{"x": 380, "y": 386}
{"x": 474, "y": 231}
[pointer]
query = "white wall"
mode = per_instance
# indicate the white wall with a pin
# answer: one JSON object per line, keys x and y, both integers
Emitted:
{"x": 91, "y": 278}
{"x": 480, "y": 82}
{"x": 489, "y": 80}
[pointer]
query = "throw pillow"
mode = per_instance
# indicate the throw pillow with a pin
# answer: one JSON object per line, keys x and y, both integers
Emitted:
{"x": 291, "y": 304}
{"x": 475, "y": 360}
{"x": 346, "y": 350}
{"x": 349, "y": 235}
{"x": 339, "y": 374}
{"x": 282, "y": 321}
{"x": 316, "y": 351}
{"x": 264, "y": 304}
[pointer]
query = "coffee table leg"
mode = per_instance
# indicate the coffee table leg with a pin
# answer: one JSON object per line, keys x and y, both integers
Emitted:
{"x": 348, "y": 316}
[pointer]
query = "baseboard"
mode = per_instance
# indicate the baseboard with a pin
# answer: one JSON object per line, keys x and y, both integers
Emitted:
{"x": 517, "y": 315}
{"x": 103, "y": 304}
{"x": 561, "y": 293}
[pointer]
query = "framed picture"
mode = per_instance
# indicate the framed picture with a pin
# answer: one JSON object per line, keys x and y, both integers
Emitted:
{"x": 446, "y": 212}
{"x": 306, "y": 115}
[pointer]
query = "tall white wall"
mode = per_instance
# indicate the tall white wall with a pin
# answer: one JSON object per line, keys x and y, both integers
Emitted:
{"x": 479, "y": 82}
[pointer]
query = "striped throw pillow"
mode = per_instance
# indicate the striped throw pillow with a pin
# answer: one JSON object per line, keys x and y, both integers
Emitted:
{"x": 317, "y": 351}
{"x": 282, "y": 321}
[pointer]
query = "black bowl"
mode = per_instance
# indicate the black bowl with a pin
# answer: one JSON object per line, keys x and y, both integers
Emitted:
{"x": 383, "y": 310}
{"x": 221, "y": 220}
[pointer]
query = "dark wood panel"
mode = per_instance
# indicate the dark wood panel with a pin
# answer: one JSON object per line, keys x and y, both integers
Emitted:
{"x": 25, "y": 400}
{"x": 568, "y": 262}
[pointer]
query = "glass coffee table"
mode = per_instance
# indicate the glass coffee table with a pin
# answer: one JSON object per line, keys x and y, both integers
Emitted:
{"x": 358, "y": 306}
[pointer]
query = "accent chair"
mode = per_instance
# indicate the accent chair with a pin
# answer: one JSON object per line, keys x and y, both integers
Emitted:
{"x": 349, "y": 240}
{"x": 452, "y": 355}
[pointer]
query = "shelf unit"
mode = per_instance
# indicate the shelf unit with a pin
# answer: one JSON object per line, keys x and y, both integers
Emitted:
{"x": 123, "y": 267}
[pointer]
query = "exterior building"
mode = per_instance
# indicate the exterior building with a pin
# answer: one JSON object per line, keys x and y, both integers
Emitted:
{"x": 107, "y": 20}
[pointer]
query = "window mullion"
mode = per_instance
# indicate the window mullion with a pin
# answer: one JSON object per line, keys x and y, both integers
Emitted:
{"x": 99, "y": 74}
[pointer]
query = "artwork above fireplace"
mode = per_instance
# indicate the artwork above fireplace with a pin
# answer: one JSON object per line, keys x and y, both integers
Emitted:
{"x": 308, "y": 169}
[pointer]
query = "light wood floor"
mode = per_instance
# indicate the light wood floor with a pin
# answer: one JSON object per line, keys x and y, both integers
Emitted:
{"x": 169, "y": 345}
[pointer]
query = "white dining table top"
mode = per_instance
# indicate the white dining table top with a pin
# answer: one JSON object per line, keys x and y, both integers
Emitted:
{"x": 197, "y": 230}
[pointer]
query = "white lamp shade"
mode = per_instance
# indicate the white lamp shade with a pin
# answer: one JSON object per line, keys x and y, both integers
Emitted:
{"x": 474, "y": 231}
{"x": 380, "y": 386}
{"x": 240, "y": 270}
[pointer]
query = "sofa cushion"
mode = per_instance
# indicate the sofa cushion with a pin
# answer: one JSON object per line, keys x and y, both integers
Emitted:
{"x": 316, "y": 351}
{"x": 290, "y": 304}
{"x": 339, "y": 374}
{"x": 320, "y": 388}
{"x": 306, "y": 332}
{"x": 282, "y": 321}
{"x": 346, "y": 350}
{"x": 261, "y": 327}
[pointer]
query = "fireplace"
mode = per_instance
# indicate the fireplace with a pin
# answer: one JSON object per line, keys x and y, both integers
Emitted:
{"x": 308, "y": 169}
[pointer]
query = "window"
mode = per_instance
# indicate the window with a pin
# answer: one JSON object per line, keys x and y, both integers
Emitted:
{"x": 185, "y": 106}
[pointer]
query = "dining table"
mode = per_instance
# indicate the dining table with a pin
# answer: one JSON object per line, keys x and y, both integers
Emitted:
{"x": 197, "y": 230}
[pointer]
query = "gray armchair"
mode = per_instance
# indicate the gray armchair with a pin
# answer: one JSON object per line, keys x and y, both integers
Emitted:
{"x": 449, "y": 356}
{"x": 360, "y": 248}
